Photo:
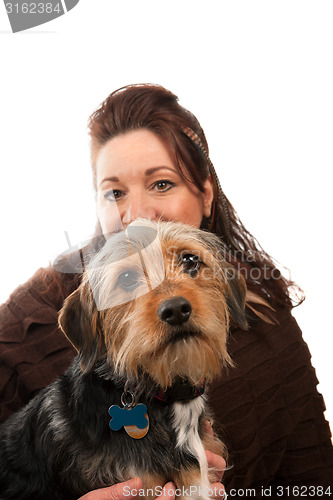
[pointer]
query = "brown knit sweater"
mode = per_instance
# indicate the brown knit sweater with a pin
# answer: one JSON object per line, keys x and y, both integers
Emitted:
{"x": 267, "y": 409}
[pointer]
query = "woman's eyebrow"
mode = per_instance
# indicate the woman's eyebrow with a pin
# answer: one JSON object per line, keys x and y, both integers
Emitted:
{"x": 109, "y": 179}
{"x": 149, "y": 171}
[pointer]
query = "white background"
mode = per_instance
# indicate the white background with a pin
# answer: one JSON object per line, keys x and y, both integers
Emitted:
{"x": 259, "y": 77}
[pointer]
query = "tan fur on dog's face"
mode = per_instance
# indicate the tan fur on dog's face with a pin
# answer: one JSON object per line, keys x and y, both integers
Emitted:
{"x": 130, "y": 333}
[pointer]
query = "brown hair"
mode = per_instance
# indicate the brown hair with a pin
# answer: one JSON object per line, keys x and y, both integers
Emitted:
{"x": 157, "y": 109}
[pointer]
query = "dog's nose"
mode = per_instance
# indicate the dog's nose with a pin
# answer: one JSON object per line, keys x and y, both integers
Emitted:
{"x": 175, "y": 311}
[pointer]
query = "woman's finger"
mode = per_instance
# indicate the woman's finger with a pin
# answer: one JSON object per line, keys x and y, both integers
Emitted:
{"x": 218, "y": 491}
{"x": 217, "y": 463}
{"x": 208, "y": 429}
{"x": 121, "y": 491}
{"x": 168, "y": 492}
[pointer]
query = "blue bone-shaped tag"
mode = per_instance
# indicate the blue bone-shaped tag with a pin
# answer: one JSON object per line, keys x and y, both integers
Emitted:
{"x": 122, "y": 417}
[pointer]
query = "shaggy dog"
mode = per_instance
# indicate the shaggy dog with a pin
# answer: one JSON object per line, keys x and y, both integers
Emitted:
{"x": 150, "y": 323}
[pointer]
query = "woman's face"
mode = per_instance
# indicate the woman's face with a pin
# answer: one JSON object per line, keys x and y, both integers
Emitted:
{"x": 136, "y": 177}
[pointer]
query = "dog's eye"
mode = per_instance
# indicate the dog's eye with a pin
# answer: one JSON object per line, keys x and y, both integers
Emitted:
{"x": 191, "y": 264}
{"x": 128, "y": 280}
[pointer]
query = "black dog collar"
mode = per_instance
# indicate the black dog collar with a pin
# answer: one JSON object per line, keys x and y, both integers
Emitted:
{"x": 180, "y": 391}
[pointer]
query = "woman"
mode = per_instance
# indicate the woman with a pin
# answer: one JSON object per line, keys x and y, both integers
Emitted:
{"x": 150, "y": 159}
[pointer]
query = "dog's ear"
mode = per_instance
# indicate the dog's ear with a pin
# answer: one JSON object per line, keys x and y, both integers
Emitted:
{"x": 79, "y": 321}
{"x": 236, "y": 296}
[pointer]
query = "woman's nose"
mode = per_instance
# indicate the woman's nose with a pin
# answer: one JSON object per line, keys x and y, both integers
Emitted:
{"x": 137, "y": 208}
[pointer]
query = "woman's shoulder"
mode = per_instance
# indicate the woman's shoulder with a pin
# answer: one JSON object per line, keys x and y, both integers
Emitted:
{"x": 272, "y": 370}
{"x": 33, "y": 351}
{"x": 38, "y": 300}
{"x": 277, "y": 344}
{"x": 269, "y": 403}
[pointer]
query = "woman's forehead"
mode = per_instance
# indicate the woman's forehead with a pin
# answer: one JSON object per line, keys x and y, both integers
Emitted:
{"x": 134, "y": 153}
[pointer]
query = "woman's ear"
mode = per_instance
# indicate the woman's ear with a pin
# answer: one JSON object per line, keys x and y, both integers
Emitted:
{"x": 208, "y": 196}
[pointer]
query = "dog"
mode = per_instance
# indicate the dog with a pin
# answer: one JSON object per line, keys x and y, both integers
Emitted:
{"x": 150, "y": 322}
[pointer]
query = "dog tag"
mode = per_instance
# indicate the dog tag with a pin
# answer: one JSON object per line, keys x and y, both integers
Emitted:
{"x": 135, "y": 432}
{"x": 134, "y": 420}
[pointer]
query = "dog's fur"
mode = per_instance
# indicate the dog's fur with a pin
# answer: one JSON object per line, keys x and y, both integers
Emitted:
{"x": 60, "y": 446}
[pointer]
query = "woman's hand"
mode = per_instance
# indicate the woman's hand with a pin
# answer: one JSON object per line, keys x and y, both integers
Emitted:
{"x": 218, "y": 464}
{"x": 127, "y": 491}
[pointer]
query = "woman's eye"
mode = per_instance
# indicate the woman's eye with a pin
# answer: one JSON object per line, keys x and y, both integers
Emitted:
{"x": 112, "y": 195}
{"x": 163, "y": 185}
{"x": 191, "y": 264}
{"x": 128, "y": 280}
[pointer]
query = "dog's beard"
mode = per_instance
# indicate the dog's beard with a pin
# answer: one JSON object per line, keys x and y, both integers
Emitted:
{"x": 171, "y": 353}
{"x": 191, "y": 358}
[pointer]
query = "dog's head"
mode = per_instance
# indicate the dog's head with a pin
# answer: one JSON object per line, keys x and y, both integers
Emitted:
{"x": 157, "y": 300}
